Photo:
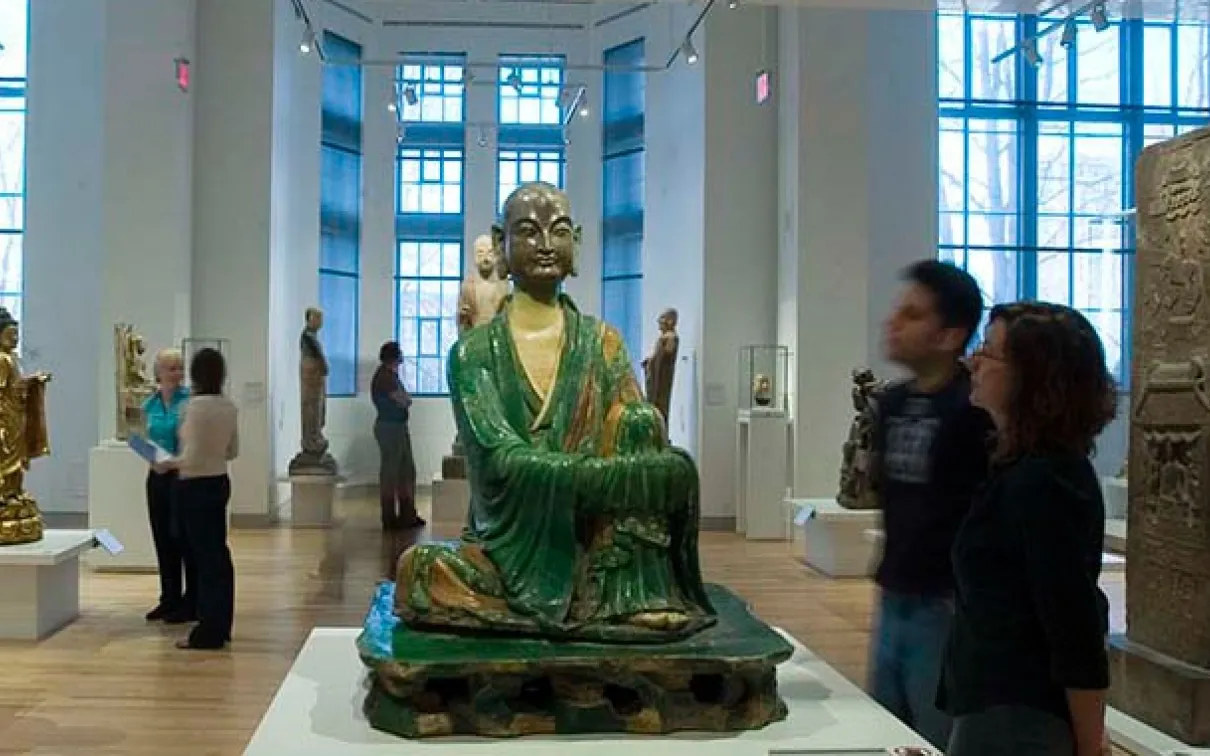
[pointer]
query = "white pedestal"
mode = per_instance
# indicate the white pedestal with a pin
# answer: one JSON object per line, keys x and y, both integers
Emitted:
{"x": 40, "y": 584}
{"x": 1140, "y": 739}
{"x": 761, "y": 481}
{"x": 451, "y": 500}
{"x": 317, "y": 712}
{"x": 311, "y": 500}
{"x": 1114, "y": 491}
{"x": 832, "y": 540}
{"x": 117, "y": 501}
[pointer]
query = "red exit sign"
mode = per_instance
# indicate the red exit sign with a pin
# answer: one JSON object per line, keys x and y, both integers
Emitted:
{"x": 764, "y": 87}
{"x": 183, "y": 73}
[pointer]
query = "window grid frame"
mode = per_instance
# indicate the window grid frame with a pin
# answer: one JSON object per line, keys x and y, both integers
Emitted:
{"x": 520, "y": 136}
{"x": 1030, "y": 117}
{"x": 428, "y": 228}
{"x": 16, "y": 88}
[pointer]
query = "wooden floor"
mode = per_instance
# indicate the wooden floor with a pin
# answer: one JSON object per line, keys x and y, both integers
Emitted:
{"x": 112, "y": 683}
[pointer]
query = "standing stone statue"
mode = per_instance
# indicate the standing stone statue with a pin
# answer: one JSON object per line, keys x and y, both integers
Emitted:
{"x": 481, "y": 294}
{"x": 1161, "y": 668}
{"x": 660, "y": 367}
{"x": 130, "y": 381}
{"x": 314, "y": 458}
{"x": 857, "y": 456}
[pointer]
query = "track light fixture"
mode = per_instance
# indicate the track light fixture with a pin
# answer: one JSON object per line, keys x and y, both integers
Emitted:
{"x": 1030, "y": 50}
{"x": 1098, "y": 17}
{"x": 409, "y": 95}
{"x": 308, "y": 42}
{"x": 514, "y": 80}
{"x": 1069, "y": 34}
{"x": 689, "y": 51}
{"x": 732, "y": 4}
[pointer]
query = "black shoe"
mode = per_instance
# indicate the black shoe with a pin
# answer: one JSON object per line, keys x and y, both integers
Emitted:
{"x": 160, "y": 612}
{"x": 180, "y": 616}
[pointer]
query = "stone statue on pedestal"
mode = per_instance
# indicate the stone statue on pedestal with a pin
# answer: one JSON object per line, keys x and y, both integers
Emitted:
{"x": 23, "y": 438}
{"x": 660, "y": 367}
{"x": 314, "y": 458}
{"x": 1160, "y": 669}
{"x": 857, "y": 456}
{"x": 583, "y": 529}
{"x": 130, "y": 381}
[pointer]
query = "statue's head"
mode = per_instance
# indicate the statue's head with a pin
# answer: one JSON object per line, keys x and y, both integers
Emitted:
{"x": 667, "y": 319}
{"x": 315, "y": 318}
{"x": 486, "y": 259}
{"x": 9, "y": 331}
{"x": 538, "y": 238}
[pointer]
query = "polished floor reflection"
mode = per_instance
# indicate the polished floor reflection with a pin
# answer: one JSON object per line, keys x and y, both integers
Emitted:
{"x": 113, "y": 684}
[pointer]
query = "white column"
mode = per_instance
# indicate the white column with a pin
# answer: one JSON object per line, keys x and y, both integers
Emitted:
{"x": 857, "y": 203}
{"x": 109, "y": 204}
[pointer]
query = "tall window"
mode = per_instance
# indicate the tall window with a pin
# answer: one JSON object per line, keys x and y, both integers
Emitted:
{"x": 429, "y": 224}
{"x": 1036, "y": 157}
{"x": 340, "y": 214}
{"x": 14, "y": 35}
{"x": 623, "y": 172}
{"x": 531, "y": 114}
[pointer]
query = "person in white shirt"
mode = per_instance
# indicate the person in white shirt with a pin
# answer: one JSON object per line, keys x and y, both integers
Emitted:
{"x": 209, "y": 440}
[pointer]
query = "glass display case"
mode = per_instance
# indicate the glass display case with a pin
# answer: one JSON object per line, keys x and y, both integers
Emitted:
{"x": 191, "y": 346}
{"x": 764, "y": 378}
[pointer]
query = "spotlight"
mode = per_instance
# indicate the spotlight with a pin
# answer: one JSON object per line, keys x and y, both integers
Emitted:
{"x": 391, "y": 106}
{"x": 583, "y": 111}
{"x": 732, "y": 4}
{"x": 409, "y": 95}
{"x": 1099, "y": 18}
{"x": 1030, "y": 50}
{"x": 1069, "y": 34}
{"x": 689, "y": 51}
{"x": 482, "y": 137}
{"x": 514, "y": 81}
{"x": 308, "y": 42}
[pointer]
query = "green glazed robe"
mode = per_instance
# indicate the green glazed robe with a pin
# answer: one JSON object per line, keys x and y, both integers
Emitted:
{"x": 587, "y": 516}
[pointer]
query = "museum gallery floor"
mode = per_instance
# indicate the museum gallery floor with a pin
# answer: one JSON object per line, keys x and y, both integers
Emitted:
{"x": 112, "y": 684}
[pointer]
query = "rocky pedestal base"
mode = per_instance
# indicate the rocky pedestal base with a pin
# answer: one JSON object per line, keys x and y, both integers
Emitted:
{"x": 1165, "y": 693}
{"x": 307, "y": 463}
{"x": 20, "y": 522}
{"x": 427, "y": 684}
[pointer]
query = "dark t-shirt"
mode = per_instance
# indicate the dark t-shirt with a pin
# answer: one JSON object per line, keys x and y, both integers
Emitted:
{"x": 1030, "y": 621}
{"x": 385, "y": 383}
{"x": 931, "y": 456}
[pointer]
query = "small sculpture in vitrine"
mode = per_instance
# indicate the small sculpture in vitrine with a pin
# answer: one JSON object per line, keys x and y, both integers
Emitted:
{"x": 764, "y": 378}
{"x": 857, "y": 456}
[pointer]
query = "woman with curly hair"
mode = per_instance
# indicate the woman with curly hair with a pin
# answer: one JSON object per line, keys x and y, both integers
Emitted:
{"x": 1027, "y": 666}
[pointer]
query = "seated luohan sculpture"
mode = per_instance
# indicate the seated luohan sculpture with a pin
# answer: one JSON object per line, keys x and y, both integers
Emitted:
{"x": 583, "y": 522}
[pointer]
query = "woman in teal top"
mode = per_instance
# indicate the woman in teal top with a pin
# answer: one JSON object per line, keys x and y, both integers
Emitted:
{"x": 177, "y": 575}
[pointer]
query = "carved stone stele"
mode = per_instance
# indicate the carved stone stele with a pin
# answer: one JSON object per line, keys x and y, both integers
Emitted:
{"x": 131, "y": 384}
{"x": 1161, "y": 667}
{"x": 857, "y": 453}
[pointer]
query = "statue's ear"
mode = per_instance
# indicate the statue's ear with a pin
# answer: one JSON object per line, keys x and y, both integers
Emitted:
{"x": 576, "y": 235}
{"x": 498, "y": 247}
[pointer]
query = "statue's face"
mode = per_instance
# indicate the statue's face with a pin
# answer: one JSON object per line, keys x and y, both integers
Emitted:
{"x": 10, "y": 337}
{"x": 539, "y": 236}
{"x": 667, "y": 321}
{"x": 485, "y": 257}
{"x": 315, "y": 320}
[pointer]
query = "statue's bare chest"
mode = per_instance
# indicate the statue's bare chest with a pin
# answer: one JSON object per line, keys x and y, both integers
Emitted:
{"x": 539, "y": 352}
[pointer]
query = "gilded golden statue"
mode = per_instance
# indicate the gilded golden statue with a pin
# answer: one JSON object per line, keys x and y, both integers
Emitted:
{"x": 23, "y": 437}
{"x": 130, "y": 378}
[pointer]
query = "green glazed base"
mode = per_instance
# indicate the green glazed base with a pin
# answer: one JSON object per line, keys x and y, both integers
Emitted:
{"x": 426, "y": 684}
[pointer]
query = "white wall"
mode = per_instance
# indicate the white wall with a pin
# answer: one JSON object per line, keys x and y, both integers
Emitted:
{"x": 109, "y": 166}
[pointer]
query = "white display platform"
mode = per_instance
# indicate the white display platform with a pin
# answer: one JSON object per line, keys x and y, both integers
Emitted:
{"x": 832, "y": 540}
{"x": 40, "y": 584}
{"x": 311, "y": 500}
{"x": 317, "y": 712}
{"x": 1139, "y": 739}
{"x": 1115, "y": 536}
{"x": 117, "y": 501}
{"x": 451, "y": 500}
{"x": 760, "y": 452}
{"x": 1114, "y": 491}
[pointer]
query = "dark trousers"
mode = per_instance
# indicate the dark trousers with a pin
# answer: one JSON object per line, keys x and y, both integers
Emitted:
{"x": 1011, "y": 731}
{"x": 396, "y": 474}
{"x": 908, "y": 647}
{"x": 178, "y": 576}
{"x": 203, "y": 514}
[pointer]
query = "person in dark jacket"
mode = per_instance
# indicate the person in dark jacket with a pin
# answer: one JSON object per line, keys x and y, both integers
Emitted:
{"x": 397, "y": 467}
{"x": 1027, "y": 666}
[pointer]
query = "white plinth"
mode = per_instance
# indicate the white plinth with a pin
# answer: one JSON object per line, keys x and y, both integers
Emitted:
{"x": 1140, "y": 739}
{"x": 311, "y": 500}
{"x": 832, "y": 540}
{"x": 1114, "y": 492}
{"x": 117, "y": 501}
{"x": 317, "y": 712}
{"x": 40, "y": 584}
{"x": 760, "y": 447}
{"x": 451, "y": 500}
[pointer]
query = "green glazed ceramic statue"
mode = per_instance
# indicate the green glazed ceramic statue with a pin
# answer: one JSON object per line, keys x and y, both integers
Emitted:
{"x": 583, "y": 522}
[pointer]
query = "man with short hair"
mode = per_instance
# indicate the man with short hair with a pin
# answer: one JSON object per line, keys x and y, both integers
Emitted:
{"x": 931, "y": 455}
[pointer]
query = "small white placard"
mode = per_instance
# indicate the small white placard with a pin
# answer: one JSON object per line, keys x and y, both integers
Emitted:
{"x": 805, "y": 512}
{"x": 106, "y": 541}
